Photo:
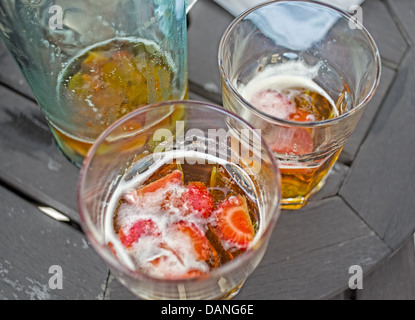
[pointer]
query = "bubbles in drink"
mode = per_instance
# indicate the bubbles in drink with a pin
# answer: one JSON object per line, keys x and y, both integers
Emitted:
{"x": 289, "y": 95}
{"x": 106, "y": 82}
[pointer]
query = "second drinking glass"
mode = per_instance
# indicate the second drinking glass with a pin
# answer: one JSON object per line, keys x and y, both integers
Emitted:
{"x": 302, "y": 72}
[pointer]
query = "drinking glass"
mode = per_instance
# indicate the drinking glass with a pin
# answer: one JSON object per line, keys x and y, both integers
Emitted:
{"x": 89, "y": 62}
{"x": 143, "y": 141}
{"x": 288, "y": 41}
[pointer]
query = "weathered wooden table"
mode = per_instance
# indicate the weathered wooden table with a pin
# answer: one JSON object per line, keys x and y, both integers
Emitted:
{"x": 364, "y": 216}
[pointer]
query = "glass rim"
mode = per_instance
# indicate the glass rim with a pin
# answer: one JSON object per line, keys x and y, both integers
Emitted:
{"x": 112, "y": 262}
{"x": 311, "y": 124}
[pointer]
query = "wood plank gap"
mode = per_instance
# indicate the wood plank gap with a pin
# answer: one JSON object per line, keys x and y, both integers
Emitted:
{"x": 365, "y": 222}
{"x": 106, "y": 285}
{"x": 398, "y": 23}
{"x": 73, "y": 224}
{"x": 19, "y": 93}
{"x": 336, "y": 244}
{"x": 390, "y": 64}
{"x": 199, "y": 90}
{"x": 385, "y": 96}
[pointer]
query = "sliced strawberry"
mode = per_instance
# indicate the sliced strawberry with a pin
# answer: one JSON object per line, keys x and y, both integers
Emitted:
{"x": 293, "y": 141}
{"x": 198, "y": 198}
{"x": 173, "y": 178}
{"x": 195, "y": 237}
{"x": 274, "y": 103}
{"x": 234, "y": 224}
{"x": 139, "y": 229}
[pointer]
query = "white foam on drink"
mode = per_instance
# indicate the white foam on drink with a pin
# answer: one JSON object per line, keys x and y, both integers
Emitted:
{"x": 264, "y": 91}
{"x": 180, "y": 257}
{"x": 148, "y": 207}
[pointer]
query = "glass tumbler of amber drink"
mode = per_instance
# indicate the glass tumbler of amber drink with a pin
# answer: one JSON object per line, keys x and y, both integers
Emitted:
{"x": 180, "y": 199}
{"x": 302, "y": 72}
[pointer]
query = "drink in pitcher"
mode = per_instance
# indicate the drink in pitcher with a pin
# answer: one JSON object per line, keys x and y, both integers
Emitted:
{"x": 94, "y": 61}
{"x": 105, "y": 83}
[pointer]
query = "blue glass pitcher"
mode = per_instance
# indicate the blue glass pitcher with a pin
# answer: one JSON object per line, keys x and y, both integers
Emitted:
{"x": 90, "y": 62}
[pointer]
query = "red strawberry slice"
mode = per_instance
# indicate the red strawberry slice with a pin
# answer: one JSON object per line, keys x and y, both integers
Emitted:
{"x": 234, "y": 224}
{"x": 198, "y": 198}
{"x": 173, "y": 178}
{"x": 293, "y": 141}
{"x": 139, "y": 229}
{"x": 195, "y": 237}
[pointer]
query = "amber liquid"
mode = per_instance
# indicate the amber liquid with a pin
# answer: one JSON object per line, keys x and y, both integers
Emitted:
{"x": 301, "y": 182}
{"x": 106, "y": 83}
{"x": 300, "y": 104}
{"x": 219, "y": 180}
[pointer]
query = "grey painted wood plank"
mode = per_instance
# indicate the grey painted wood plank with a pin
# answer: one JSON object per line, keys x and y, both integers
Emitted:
{"x": 10, "y": 74}
{"x": 380, "y": 185}
{"x": 196, "y": 97}
{"x": 30, "y": 243}
{"x": 311, "y": 251}
{"x": 333, "y": 184}
{"x": 308, "y": 257}
{"x": 340, "y": 296}
{"x": 394, "y": 279}
{"x": 380, "y": 24}
{"x": 30, "y": 160}
{"x": 352, "y": 146}
{"x": 405, "y": 14}
{"x": 116, "y": 291}
{"x": 208, "y": 23}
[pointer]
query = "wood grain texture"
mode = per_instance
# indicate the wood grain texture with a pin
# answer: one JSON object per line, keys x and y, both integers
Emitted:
{"x": 30, "y": 243}
{"x": 380, "y": 185}
{"x": 404, "y": 12}
{"x": 116, "y": 291}
{"x": 11, "y": 75}
{"x": 208, "y": 23}
{"x": 352, "y": 146}
{"x": 394, "y": 279}
{"x": 30, "y": 160}
{"x": 381, "y": 25}
{"x": 311, "y": 251}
